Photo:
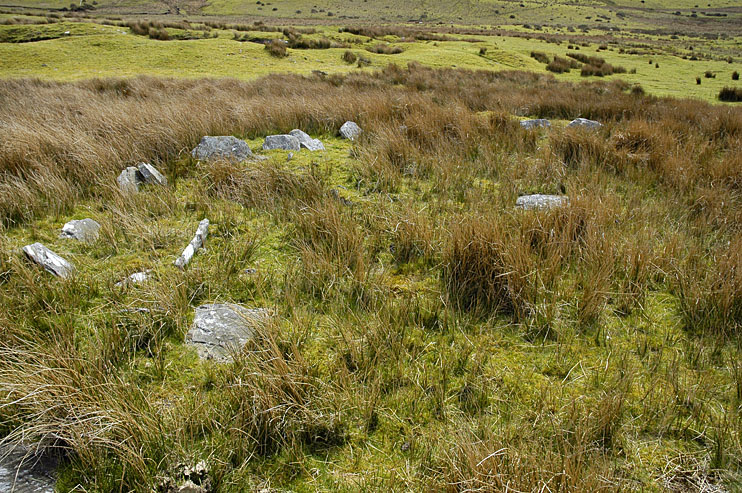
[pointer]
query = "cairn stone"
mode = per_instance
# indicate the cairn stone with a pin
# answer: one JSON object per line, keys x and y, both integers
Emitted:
{"x": 129, "y": 180}
{"x": 81, "y": 229}
{"x": 285, "y": 142}
{"x": 584, "y": 123}
{"x": 148, "y": 174}
{"x": 306, "y": 141}
{"x": 350, "y": 130}
{"x": 144, "y": 174}
{"x": 224, "y": 147}
{"x": 197, "y": 242}
{"x": 539, "y": 201}
{"x": 219, "y": 330}
{"x": 50, "y": 261}
{"x": 537, "y": 123}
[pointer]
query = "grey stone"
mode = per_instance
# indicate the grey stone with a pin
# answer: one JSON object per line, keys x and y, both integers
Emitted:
{"x": 225, "y": 147}
{"x": 219, "y": 330}
{"x": 148, "y": 174}
{"x": 538, "y": 123}
{"x": 24, "y": 470}
{"x": 350, "y": 130}
{"x": 197, "y": 242}
{"x": 307, "y": 142}
{"x": 129, "y": 179}
{"x": 285, "y": 142}
{"x": 135, "y": 278}
{"x": 81, "y": 229}
{"x": 50, "y": 261}
{"x": 539, "y": 201}
{"x": 585, "y": 123}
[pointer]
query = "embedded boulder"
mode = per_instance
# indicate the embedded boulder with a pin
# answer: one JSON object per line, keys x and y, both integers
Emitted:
{"x": 350, "y": 130}
{"x": 50, "y": 261}
{"x": 584, "y": 123}
{"x": 537, "y": 123}
{"x": 224, "y": 147}
{"x": 219, "y": 330}
{"x": 306, "y": 141}
{"x": 539, "y": 201}
{"x": 81, "y": 229}
{"x": 285, "y": 142}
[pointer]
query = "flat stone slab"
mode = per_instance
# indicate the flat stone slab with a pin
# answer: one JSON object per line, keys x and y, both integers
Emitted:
{"x": 219, "y": 330}
{"x": 50, "y": 261}
{"x": 22, "y": 471}
{"x": 306, "y": 141}
{"x": 81, "y": 230}
{"x": 537, "y": 123}
{"x": 149, "y": 175}
{"x": 222, "y": 147}
{"x": 585, "y": 123}
{"x": 539, "y": 201}
{"x": 284, "y": 142}
{"x": 350, "y": 130}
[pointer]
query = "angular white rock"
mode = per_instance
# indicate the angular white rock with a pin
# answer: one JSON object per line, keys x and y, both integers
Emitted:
{"x": 539, "y": 201}
{"x": 537, "y": 123}
{"x": 585, "y": 123}
{"x": 149, "y": 174}
{"x": 219, "y": 330}
{"x": 225, "y": 147}
{"x": 285, "y": 142}
{"x": 129, "y": 180}
{"x": 81, "y": 230}
{"x": 50, "y": 261}
{"x": 350, "y": 130}
{"x": 135, "y": 278}
{"x": 197, "y": 242}
{"x": 306, "y": 141}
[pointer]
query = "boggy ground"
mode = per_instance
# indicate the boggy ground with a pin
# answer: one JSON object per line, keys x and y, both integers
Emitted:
{"x": 429, "y": 336}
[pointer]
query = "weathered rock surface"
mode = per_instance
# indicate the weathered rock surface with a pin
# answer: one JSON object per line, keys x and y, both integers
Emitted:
{"x": 50, "y": 261}
{"x": 225, "y": 147}
{"x": 149, "y": 175}
{"x": 22, "y": 471}
{"x": 285, "y": 142}
{"x": 306, "y": 141}
{"x": 129, "y": 180}
{"x": 81, "y": 229}
{"x": 538, "y": 123}
{"x": 539, "y": 201}
{"x": 350, "y": 130}
{"x": 135, "y": 278}
{"x": 221, "y": 329}
{"x": 585, "y": 123}
{"x": 197, "y": 242}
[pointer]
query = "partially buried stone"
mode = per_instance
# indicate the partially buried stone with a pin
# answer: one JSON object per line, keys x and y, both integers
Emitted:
{"x": 197, "y": 242}
{"x": 538, "y": 123}
{"x": 224, "y": 147}
{"x": 584, "y": 123}
{"x": 350, "y": 130}
{"x": 81, "y": 229}
{"x": 539, "y": 201}
{"x": 50, "y": 261}
{"x": 222, "y": 329}
{"x": 135, "y": 278}
{"x": 129, "y": 180}
{"x": 149, "y": 174}
{"x": 306, "y": 141}
{"x": 285, "y": 142}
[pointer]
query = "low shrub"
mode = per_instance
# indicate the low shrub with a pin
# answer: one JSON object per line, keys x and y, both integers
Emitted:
{"x": 277, "y": 48}
{"x": 730, "y": 94}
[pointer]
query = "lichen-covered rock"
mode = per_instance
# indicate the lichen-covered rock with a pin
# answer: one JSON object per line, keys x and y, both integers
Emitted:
{"x": 224, "y": 147}
{"x": 50, "y": 261}
{"x": 306, "y": 141}
{"x": 537, "y": 123}
{"x": 81, "y": 229}
{"x": 350, "y": 130}
{"x": 129, "y": 180}
{"x": 148, "y": 174}
{"x": 585, "y": 123}
{"x": 221, "y": 329}
{"x": 539, "y": 201}
{"x": 285, "y": 142}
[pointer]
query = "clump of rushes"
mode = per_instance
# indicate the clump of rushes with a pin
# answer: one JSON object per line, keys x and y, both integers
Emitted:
{"x": 349, "y": 57}
{"x": 277, "y": 48}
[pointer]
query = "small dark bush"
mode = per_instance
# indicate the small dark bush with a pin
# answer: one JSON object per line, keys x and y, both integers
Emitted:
{"x": 560, "y": 65}
{"x": 540, "y": 56}
{"x": 349, "y": 57}
{"x": 735, "y": 75}
{"x": 698, "y": 81}
{"x": 709, "y": 74}
{"x": 385, "y": 49}
{"x": 731, "y": 94}
{"x": 277, "y": 48}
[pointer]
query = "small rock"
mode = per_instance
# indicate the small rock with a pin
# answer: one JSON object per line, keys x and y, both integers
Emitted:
{"x": 539, "y": 201}
{"x": 135, "y": 278}
{"x": 50, "y": 261}
{"x": 220, "y": 329}
{"x": 197, "y": 242}
{"x": 225, "y": 147}
{"x": 350, "y": 130}
{"x": 585, "y": 123}
{"x": 129, "y": 180}
{"x": 191, "y": 487}
{"x": 285, "y": 142}
{"x": 307, "y": 142}
{"x": 538, "y": 123}
{"x": 148, "y": 174}
{"x": 82, "y": 230}
{"x": 250, "y": 271}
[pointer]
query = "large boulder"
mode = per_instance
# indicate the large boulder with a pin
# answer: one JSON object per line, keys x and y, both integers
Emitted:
{"x": 285, "y": 142}
{"x": 306, "y": 141}
{"x": 225, "y": 147}
{"x": 81, "y": 229}
{"x": 539, "y": 201}
{"x": 537, "y": 123}
{"x": 50, "y": 261}
{"x": 584, "y": 123}
{"x": 219, "y": 330}
{"x": 350, "y": 130}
